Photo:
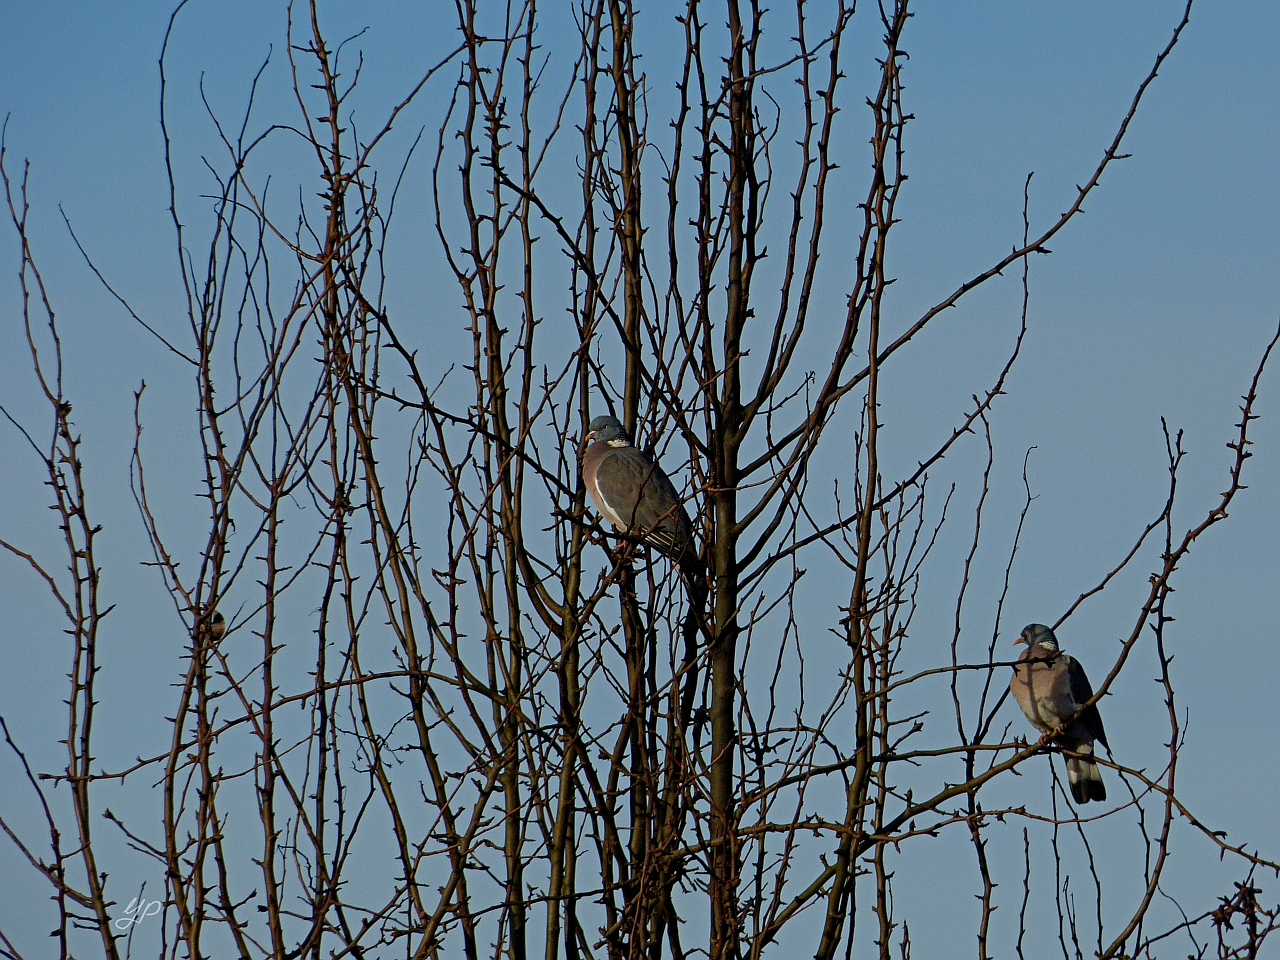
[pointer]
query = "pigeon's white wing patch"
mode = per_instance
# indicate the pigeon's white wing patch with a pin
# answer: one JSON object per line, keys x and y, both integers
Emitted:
{"x": 610, "y": 510}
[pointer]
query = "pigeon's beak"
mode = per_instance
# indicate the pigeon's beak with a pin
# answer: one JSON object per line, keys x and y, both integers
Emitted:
{"x": 586, "y": 442}
{"x": 1020, "y": 640}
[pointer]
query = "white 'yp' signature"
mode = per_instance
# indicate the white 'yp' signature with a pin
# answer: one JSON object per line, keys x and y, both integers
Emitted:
{"x": 137, "y": 911}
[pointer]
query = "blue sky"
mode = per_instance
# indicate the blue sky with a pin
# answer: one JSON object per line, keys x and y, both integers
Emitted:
{"x": 1157, "y": 302}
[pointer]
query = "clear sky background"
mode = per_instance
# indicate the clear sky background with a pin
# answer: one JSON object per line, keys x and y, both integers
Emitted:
{"x": 1158, "y": 301}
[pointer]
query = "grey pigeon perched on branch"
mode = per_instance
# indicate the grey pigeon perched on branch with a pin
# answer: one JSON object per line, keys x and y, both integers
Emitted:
{"x": 630, "y": 491}
{"x": 1050, "y": 692}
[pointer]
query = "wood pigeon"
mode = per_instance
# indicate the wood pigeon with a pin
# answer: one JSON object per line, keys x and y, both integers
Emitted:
{"x": 1050, "y": 693}
{"x": 630, "y": 491}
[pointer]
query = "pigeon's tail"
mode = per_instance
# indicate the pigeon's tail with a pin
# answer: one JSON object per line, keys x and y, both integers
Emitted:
{"x": 1084, "y": 776}
{"x": 694, "y": 575}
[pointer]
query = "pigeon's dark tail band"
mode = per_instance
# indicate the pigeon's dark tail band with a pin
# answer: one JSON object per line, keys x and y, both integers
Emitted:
{"x": 693, "y": 574}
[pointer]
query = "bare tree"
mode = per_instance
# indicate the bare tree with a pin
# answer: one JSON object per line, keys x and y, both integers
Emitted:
{"x": 513, "y": 731}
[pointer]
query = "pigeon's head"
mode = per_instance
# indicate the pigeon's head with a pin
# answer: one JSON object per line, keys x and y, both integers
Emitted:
{"x": 605, "y": 429}
{"x": 1038, "y": 633}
